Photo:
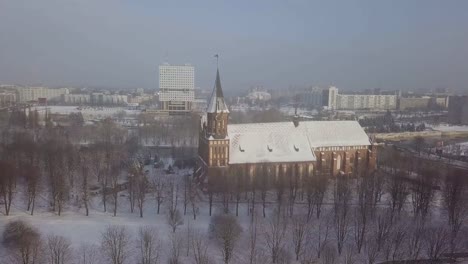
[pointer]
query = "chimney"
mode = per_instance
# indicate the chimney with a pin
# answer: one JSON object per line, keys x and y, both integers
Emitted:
{"x": 296, "y": 121}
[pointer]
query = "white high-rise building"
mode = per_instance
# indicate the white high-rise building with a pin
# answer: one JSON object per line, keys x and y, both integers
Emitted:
{"x": 329, "y": 97}
{"x": 176, "y": 87}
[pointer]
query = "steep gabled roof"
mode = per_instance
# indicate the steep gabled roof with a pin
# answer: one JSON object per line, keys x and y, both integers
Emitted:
{"x": 217, "y": 104}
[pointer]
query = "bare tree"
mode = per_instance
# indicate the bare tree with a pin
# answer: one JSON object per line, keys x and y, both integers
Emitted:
{"x": 321, "y": 234}
{"x": 32, "y": 176}
{"x": 149, "y": 246}
{"x": 293, "y": 185}
{"x": 141, "y": 187}
{"x": 454, "y": 189}
{"x": 398, "y": 190}
{"x": 436, "y": 241}
{"x": 175, "y": 248}
{"x": 329, "y": 255}
{"x": 394, "y": 246}
{"x": 275, "y": 235}
{"x": 253, "y": 234}
{"x": 316, "y": 187}
{"x": 88, "y": 254}
{"x": 239, "y": 182}
{"x": 415, "y": 239}
{"x": 226, "y": 190}
{"x": 56, "y": 152}
{"x": 263, "y": 176}
{"x": 280, "y": 186}
{"x": 186, "y": 192}
{"x": 299, "y": 227}
{"x": 423, "y": 192}
{"x": 419, "y": 143}
{"x": 7, "y": 184}
{"x": 84, "y": 163}
{"x": 372, "y": 251}
{"x": 159, "y": 188}
{"x": 59, "y": 249}
{"x": 365, "y": 191}
{"x": 23, "y": 241}
{"x": 132, "y": 178}
{"x": 200, "y": 249}
{"x": 341, "y": 195}
{"x": 98, "y": 166}
{"x": 349, "y": 256}
{"x": 174, "y": 219}
{"x": 383, "y": 228}
{"x": 226, "y": 231}
{"x": 115, "y": 241}
{"x": 193, "y": 199}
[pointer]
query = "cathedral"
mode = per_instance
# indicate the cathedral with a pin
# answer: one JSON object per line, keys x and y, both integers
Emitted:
{"x": 301, "y": 148}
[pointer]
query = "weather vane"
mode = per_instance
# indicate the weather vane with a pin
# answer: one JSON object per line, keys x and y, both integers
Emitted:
{"x": 217, "y": 58}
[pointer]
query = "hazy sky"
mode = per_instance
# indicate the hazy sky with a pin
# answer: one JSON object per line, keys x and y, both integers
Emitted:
{"x": 402, "y": 44}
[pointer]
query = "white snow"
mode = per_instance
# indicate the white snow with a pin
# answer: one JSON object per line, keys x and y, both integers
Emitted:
{"x": 448, "y": 128}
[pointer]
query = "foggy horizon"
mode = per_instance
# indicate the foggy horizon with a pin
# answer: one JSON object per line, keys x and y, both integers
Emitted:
{"x": 419, "y": 45}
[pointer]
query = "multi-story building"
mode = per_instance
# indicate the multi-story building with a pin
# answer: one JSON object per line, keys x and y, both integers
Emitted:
{"x": 366, "y": 101}
{"x": 176, "y": 88}
{"x": 414, "y": 102}
{"x": 311, "y": 97}
{"x": 76, "y": 99}
{"x": 278, "y": 151}
{"x": 26, "y": 94}
{"x": 458, "y": 110}
{"x": 7, "y": 98}
{"x": 108, "y": 99}
{"x": 329, "y": 97}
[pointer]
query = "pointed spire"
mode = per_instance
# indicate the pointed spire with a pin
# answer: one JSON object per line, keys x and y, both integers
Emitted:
{"x": 217, "y": 104}
{"x": 219, "y": 91}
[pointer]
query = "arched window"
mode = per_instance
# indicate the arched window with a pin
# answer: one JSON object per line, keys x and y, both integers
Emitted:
{"x": 338, "y": 162}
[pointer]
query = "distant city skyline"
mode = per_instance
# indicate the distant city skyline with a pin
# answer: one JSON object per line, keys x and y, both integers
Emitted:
{"x": 353, "y": 45}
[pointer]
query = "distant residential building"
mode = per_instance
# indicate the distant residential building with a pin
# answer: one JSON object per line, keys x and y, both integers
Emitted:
{"x": 140, "y": 98}
{"x": 76, "y": 99}
{"x": 366, "y": 101}
{"x": 414, "y": 103}
{"x": 311, "y": 97}
{"x": 108, "y": 99}
{"x": 176, "y": 88}
{"x": 329, "y": 97}
{"x": 26, "y": 94}
{"x": 441, "y": 101}
{"x": 258, "y": 94}
{"x": 200, "y": 105}
{"x": 7, "y": 98}
{"x": 458, "y": 110}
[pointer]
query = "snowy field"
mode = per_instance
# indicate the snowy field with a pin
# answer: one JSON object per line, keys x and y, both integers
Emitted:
{"x": 458, "y": 149}
{"x": 448, "y": 128}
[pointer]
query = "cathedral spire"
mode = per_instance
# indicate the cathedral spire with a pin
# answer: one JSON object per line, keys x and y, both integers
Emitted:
{"x": 217, "y": 103}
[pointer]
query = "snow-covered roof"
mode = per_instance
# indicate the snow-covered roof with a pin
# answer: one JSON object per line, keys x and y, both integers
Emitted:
{"x": 217, "y": 104}
{"x": 283, "y": 142}
{"x": 335, "y": 133}
{"x": 269, "y": 142}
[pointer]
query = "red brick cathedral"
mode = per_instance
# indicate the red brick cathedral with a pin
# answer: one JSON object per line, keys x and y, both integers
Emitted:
{"x": 300, "y": 148}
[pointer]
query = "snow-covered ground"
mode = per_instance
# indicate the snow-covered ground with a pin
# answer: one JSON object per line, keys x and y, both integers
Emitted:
{"x": 458, "y": 149}
{"x": 448, "y": 128}
{"x": 81, "y": 229}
